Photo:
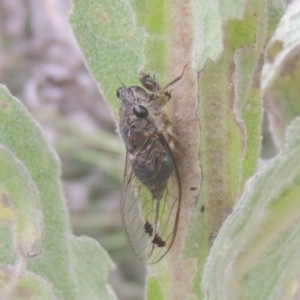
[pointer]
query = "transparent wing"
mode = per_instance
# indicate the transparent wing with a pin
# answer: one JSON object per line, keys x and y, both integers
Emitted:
{"x": 150, "y": 224}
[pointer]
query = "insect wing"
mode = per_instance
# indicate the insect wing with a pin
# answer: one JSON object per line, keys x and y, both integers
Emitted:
{"x": 150, "y": 225}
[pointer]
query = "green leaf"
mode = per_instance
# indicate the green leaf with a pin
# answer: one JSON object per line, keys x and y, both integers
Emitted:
{"x": 281, "y": 73}
{"x": 26, "y": 287}
{"x": 111, "y": 42}
{"x": 230, "y": 113}
{"x": 255, "y": 255}
{"x": 34, "y": 220}
{"x": 19, "y": 203}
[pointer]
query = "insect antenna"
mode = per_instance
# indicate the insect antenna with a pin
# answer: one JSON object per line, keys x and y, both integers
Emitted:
{"x": 121, "y": 81}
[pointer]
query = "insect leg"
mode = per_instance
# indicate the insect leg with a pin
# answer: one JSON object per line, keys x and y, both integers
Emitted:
{"x": 173, "y": 81}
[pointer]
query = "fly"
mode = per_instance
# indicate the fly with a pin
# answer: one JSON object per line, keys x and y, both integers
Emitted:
{"x": 151, "y": 196}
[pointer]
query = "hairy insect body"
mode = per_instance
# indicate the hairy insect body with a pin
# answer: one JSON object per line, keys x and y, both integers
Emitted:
{"x": 151, "y": 196}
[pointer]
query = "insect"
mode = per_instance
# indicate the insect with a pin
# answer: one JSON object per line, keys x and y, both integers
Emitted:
{"x": 151, "y": 196}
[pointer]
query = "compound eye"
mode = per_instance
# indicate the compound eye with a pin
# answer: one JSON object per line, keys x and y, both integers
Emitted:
{"x": 118, "y": 92}
{"x": 140, "y": 111}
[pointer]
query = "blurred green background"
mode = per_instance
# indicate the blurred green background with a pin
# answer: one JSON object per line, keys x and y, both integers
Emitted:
{"x": 42, "y": 65}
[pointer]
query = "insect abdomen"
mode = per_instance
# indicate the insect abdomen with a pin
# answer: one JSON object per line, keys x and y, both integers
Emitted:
{"x": 152, "y": 167}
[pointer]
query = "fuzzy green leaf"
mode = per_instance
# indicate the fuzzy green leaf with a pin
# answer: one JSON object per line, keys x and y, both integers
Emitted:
{"x": 281, "y": 74}
{"x": 33, "y": 211}
{"x": 19, "y": 203}
{"x": 111, "y": 42}
{"x": 255, "y": 255}
{"x": 24, "y": 286}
